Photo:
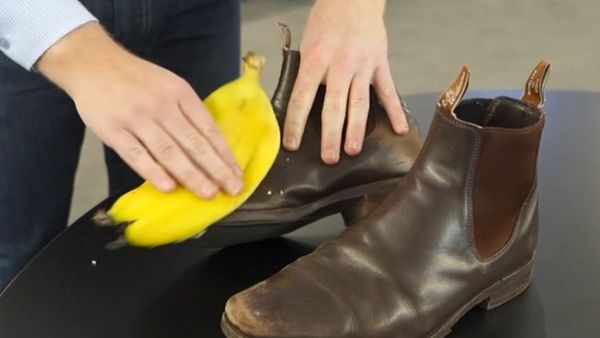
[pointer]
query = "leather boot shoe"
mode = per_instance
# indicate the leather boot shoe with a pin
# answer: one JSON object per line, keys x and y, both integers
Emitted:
{"x": 301, "y": 189}
{"x": 459, "y": 231}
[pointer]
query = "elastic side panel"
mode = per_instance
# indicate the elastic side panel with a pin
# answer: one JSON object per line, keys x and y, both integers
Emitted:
{"x": 504, "y": 176}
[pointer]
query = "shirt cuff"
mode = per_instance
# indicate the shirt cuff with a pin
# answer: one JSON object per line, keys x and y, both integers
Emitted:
{"x": 29, "y": 27}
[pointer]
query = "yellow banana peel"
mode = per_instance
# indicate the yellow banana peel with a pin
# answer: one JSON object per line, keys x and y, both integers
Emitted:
{"x": 245, "y": 115}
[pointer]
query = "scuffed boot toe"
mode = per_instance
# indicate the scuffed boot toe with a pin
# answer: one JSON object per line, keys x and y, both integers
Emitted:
{"x": 270, "y": 310}
{"x": 240, "y": 319}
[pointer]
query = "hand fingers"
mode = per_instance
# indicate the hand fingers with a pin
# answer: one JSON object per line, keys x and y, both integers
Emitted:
{"x": 193, "y": 109}
{"x": 334, "y": 114}
{"x": 168, "y": 153}
{"x": 198, "y": 148}
{"x": 358, "y": 113}
{"x": 386, "y": 91}
{"x": 301, "y": 101}
{"x": 133, "y": 152}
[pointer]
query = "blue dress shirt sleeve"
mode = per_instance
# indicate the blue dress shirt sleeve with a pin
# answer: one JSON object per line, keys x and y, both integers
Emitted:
{"x": 29, "y": 27}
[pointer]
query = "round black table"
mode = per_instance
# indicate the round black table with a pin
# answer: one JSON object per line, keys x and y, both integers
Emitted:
{"x": 76, "y": 288}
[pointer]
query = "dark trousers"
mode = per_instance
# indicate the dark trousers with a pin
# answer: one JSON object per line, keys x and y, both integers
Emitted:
{"x": 41, "y": 133}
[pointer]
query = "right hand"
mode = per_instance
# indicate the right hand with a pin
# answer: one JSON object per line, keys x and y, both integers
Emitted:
{"x": 151, "y": 117}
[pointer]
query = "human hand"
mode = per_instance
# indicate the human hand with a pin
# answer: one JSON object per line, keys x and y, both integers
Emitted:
{"x": 345, "y": 47}
{"x": 151, "y": 117}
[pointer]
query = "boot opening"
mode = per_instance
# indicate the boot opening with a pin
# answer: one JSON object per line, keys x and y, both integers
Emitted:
{"x": 501, "y": 112}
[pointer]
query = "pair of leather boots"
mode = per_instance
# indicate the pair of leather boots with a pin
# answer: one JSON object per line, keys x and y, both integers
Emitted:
{"x": 454, "y": 223}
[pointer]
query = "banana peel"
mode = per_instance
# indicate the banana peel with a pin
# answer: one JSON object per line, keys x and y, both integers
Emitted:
{"x": 244, "y": 113}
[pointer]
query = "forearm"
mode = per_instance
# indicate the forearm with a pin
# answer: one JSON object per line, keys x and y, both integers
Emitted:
{"x": 88, "y": 51}
{"x": 29, "y": 27}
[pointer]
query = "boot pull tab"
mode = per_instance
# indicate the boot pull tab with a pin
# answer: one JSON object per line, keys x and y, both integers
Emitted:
{"x": 534, "y": 88}
{"x": 454, "y": 94}
{"x": 287, "y": 77}
{"x": 286, "y": 35}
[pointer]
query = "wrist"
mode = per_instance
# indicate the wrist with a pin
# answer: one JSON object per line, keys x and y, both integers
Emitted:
{"x": 376, "y": 7}
{"x": 85, "y": 51}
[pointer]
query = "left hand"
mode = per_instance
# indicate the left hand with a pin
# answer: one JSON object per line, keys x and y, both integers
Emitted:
{"x": 345, "y": 47}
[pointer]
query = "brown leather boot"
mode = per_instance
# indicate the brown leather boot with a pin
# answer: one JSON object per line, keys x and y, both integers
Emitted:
{"x": 300, "y": 188}
{"x": 459, "y": 231}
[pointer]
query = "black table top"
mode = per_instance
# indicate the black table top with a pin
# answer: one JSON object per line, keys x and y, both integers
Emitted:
{"x": 75, "y": 288}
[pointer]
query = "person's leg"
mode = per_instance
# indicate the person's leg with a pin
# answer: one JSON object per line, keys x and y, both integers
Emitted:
{"x": 40, "y": 140}
{"x": 197, "y": 39}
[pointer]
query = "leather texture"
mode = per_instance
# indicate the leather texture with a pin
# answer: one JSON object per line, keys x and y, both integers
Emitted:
{"x": 414, "y": 266}
{"x": 300, "y": 178}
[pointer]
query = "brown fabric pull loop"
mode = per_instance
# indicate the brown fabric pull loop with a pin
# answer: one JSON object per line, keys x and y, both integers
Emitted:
{"x": 289, "y": 72}
{"x": 286, "y": 35}
{"x": 534, "y": 88}
{"x": 454, "y": 94}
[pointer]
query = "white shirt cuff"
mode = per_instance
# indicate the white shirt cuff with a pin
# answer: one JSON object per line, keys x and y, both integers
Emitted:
{"x": 29, "y": 27}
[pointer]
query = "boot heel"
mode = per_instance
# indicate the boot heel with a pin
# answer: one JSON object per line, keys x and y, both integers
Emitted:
{"x": 360, "y": 208}
{"x": 509, "y": 288}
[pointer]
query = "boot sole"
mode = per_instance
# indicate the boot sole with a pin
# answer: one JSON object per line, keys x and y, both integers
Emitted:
{"x": 498, "y": 294}
{"x": 277, "y": 222}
